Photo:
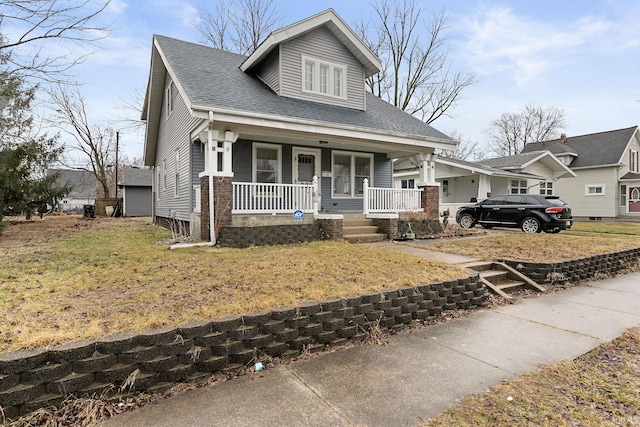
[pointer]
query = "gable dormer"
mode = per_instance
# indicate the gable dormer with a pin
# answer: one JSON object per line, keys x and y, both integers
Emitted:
{"x": 318, "y": 59}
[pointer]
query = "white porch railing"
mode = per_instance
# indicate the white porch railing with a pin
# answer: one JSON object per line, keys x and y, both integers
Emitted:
{"x": 250, "y": 197}
{"x": 390, "y": 199}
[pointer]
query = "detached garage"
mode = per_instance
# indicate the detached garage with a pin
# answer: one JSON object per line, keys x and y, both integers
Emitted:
{"x": 137, "y": 195}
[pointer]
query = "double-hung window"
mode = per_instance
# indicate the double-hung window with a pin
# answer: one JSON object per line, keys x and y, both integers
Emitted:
{"x": 546, "y": 188}
{"x": 633, "y": 161}
{"x": 176, "y": 188}
{"x": 164, "y": 174}
{"x": 169, "y": 95}
{"x": 267, "y": 163}
{"x": 518, "y": 186}
{"x": 349, "y": 172}
{"x": 323, "y": 77}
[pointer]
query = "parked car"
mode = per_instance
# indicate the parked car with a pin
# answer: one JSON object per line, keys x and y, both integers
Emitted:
{"x": 532, "y": 213}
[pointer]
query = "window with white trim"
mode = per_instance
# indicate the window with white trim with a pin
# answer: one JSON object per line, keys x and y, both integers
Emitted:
{"x": 623, "y": 195}
{"x": 349, "y": 172}
{"x": 546, "y": 188}
{"x": 267, "y": 163}
{"x": 164, "y": 174}
{"x": 633, "y": 161}
{"x": 408, "y": 183}
{"x": 518, "y": 186}
{"x": 323, "y": 77}
{"x": 168, "y": 98}
{"x": 594, "y": 190}
{"x": 176, "y": 188}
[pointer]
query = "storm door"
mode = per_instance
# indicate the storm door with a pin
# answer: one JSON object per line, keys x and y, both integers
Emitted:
{"x": 306, "y": 164}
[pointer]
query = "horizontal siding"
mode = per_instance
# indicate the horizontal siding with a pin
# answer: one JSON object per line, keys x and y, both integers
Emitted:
{"x": 242, "y": 172}
{"x": 572, "y": 190}
{"x": 321, "y": 44}
{"x": 268, "y": 71}
{"x": 173, "y": 134}
{"x": 197, "y": 166}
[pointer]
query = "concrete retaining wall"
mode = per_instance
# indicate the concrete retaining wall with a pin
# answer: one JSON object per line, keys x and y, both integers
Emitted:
{"x": 31, "y": 379}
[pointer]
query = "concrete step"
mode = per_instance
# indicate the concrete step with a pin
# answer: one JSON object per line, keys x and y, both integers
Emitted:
{"x": 495, "y": 276}
{"x": 478, "y": 265}
{"x": 359, "y": 229}
{"x": 511, "y": 286}
{"x": 362, "y": 222}
{"x": 364, "y": 238}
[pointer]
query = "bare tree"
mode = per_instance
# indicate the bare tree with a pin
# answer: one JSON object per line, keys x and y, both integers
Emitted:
{"x": 95, "y": 141}
{"x": 27, "y": 25}
{"x": 465, "y": 149}
{"x": 512, "y": 131}
{"x": 237, "y": 25}
{"x": 416, "y": 75}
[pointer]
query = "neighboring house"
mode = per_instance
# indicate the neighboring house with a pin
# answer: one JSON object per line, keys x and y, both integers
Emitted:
{"x": 462, "y": 182}
{"x": 607, "y": 183}
{"x": 83, "y": 189}
{"x": 288, "y": 129}
{"x": 137, "y": 193}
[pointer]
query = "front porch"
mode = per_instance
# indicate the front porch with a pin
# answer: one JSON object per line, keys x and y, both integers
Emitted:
{"x": 247, "y": 214}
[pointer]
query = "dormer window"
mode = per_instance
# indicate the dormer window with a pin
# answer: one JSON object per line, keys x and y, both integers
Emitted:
{"x": 323, "y": 77}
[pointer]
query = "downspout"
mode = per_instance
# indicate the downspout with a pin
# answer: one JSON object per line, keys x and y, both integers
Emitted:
{"x": 210, "y": 153}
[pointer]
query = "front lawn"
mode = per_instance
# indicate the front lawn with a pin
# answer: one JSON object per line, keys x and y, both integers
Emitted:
{"x": 66, "y": 278}
{"x": 583, "y": 240}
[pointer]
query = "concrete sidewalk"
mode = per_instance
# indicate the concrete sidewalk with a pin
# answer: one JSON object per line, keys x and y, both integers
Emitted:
{"x": 418, "y": 374}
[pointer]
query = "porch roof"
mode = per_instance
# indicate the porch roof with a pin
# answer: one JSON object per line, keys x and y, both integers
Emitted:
{"x": 519, "y": 162}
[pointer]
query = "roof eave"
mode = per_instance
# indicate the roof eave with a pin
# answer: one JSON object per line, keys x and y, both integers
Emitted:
{"x": 321, "y": 127}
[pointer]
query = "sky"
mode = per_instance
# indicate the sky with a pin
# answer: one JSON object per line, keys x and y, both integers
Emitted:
{"x": 580, "y": 56}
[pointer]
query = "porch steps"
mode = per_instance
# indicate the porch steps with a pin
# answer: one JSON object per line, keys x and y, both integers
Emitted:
{"x": 502, "y": 279}
{"x": 358, "y": 229}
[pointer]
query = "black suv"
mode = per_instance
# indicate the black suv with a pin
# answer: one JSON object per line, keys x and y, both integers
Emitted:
{"x": 532, "y": 213}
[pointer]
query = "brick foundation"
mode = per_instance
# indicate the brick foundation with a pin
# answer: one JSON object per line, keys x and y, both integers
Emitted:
{"x": 331, "y": 228}
{"x": 388, "y": 226}
{"x": 430, "y": 201}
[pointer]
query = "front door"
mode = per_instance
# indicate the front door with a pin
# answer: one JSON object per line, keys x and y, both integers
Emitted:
{"x": 306, "y": 164}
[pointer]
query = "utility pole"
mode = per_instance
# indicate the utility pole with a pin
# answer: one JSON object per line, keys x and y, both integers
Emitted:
{"x": 117, "y": 143}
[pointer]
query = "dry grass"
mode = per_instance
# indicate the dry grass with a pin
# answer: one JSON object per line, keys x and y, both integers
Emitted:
{"x": 583, "y": 240}
{"x": 600, "y": 388}
{"x": 66, "y": 278}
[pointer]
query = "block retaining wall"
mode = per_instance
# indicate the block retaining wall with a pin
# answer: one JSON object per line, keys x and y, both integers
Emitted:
{"x": 191, "y": 352}
{"x": 578, "y": 269}
{"x": 243, "y": 237}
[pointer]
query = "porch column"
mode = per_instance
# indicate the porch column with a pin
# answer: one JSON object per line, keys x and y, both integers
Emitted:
{"x": 484, "y": 187}
{"x": 218, "y": 176}
{"x": 430, "y": 198}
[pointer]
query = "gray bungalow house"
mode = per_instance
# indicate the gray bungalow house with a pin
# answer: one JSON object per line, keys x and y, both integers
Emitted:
{"x": 287, "y": 137}
{"x": 606, "y": 164}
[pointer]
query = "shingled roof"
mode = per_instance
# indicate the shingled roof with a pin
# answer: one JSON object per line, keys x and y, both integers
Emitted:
{"x": 596, "y": 149}
{"x": 212, "y": 79}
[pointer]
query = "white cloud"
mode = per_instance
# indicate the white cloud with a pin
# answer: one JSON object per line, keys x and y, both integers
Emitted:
{"x": 498, "y": 40}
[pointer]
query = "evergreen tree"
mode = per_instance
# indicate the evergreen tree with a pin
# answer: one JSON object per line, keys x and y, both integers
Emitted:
{"x": 25, "y": 156}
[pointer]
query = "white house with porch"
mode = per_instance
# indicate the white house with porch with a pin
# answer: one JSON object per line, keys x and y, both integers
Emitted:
{"x": 462, "y": 182}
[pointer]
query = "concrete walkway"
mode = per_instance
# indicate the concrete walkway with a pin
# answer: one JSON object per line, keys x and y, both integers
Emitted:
{"x": 418, "y": 374}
